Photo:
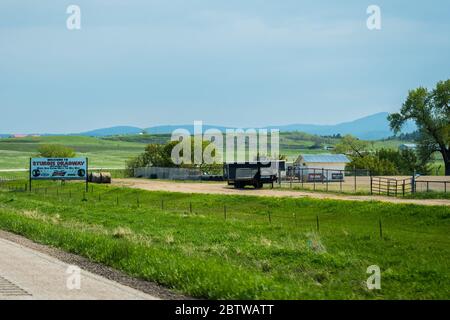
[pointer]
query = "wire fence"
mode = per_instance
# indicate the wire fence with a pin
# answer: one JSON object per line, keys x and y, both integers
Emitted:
{"x": 356, "y": 181}
{"x": 138, "y": 201}
{"x": 328, "y": 180}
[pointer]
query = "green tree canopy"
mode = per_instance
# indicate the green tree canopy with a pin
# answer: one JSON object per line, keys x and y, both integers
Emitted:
{"x": 430, "y": 110}
{"x": 389, "y": 162}
{"x": 160, "y": 155}
{"x": 352, "y": 146}
{"x": 55, "y": 151}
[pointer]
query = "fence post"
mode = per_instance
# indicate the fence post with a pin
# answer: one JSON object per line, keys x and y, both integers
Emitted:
{"x": 403, "y": 188}
{"x": 270, "y": 218}
{"x": 445, "y": 186}
{"x": 371, "y": 188}
{"x": 302, "y": 176}
{"x": 317, "y": 222}
{"x": 388, "y": 187}
{"x": 279, "y": 175}
{"x": 396, "y": 187}
{"x": 314, "y": 179}
{"x": 190, "y": 207}
{"x": 225, "y": 212}
{"x": 354, "y": 174}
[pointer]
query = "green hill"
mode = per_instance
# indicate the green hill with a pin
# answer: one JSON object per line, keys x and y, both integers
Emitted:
{"x": 15, "y": 153}
{"x": 113, "y": 152}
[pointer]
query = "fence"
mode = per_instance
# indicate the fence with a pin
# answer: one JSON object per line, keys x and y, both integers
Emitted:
{"x": 394, "y": 186}
{"x": 325, "y": 180}
{"x": 431, "y": 185}
{"x": 75, "y": 196}
{"x": 391, "y": 186}
{"x": 168, "y": 173}
{"x": 321, "y": 179}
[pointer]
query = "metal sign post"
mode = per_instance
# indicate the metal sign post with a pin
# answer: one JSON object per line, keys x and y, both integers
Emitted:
{"x": 87, "y": 175}
{"x": 29, "y": 176}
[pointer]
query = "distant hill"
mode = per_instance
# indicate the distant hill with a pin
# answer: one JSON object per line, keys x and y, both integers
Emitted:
{"x": 190, "y": 127}
{"x": 112, "y": 131}
{"x": 372, "y": 127}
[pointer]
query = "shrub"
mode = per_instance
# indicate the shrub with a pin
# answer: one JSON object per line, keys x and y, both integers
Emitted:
{"x": 55, "y": 151}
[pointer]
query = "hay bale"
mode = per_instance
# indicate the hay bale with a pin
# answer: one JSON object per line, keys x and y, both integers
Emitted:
{"x": 99, "y": 177}
{"x": 95, "y": 177}
{"x": 105, "y": 177}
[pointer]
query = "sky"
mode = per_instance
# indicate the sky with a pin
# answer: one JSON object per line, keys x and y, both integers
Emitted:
{"x": 229, "y": 62}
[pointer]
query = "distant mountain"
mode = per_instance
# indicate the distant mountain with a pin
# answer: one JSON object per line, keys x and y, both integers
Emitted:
{"x": 189, "y": 127}
{"x": 372, "y": 127}
{"x": 112, "y": 131}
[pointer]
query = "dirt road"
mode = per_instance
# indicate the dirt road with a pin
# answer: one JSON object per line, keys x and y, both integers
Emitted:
{"x": 221, "y": 188}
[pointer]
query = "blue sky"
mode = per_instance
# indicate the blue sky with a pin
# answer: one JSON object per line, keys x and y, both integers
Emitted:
{"x": 237, "y": 63}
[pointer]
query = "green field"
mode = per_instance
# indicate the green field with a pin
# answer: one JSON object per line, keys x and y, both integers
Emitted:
{"x": 15, "y": 153}
{"x": 113, "y": 152}
{"x": 235, "y": 247}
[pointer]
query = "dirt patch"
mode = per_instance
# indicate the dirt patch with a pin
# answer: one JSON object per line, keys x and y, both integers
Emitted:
{"x": 222, "y": 188}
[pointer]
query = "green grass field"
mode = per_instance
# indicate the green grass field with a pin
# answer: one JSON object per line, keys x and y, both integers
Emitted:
{"x": 15, "y": 153}
{"x": 235, "y": 247}
{"x": 113, "y": 152}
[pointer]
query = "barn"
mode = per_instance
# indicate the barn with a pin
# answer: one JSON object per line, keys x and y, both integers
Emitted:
{"x": 320, "y": 167}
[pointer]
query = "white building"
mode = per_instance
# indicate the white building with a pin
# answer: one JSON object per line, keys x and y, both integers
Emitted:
{"x": 408, "y": 146}
{"x": 321, "y": 167}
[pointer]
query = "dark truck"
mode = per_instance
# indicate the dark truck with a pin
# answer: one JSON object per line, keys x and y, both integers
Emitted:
{"x": 254, "y": 174}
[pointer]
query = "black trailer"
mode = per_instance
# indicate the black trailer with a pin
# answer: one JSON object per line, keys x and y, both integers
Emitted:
{"x": 254, "y": 174}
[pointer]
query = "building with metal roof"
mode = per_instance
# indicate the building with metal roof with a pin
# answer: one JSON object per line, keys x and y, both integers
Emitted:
{"x": 408, "y": 146}
{"x": 322, "y": 158}
{"x": 322, "y": 166}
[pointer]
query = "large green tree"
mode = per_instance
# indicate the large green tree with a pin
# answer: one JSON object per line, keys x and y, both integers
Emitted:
{"x": 352, "y": 146}
{"x": 430, "y": 111}
{"x": 55, "y": 151}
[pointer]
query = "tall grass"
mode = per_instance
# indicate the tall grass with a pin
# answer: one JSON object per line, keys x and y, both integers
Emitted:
{"x": 234, "y": 247}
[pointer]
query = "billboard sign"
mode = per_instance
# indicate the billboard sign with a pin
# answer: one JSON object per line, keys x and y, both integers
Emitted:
{"x": 58, "y": 168}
